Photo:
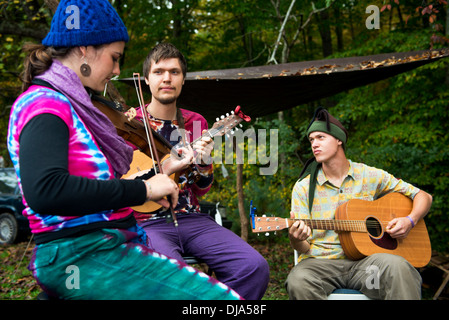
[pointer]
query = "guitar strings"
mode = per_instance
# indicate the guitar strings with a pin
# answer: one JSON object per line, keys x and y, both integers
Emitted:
{"x": 342, "y": 224}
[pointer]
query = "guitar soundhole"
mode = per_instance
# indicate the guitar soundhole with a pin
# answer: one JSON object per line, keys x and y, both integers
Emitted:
{"x": 373, "y": 226}
{"x": 378, "y": 237}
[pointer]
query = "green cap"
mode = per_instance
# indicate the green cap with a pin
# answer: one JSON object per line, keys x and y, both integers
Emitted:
{"x": 334, "y": 131}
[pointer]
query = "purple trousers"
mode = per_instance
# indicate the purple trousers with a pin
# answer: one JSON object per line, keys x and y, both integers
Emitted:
{"x": 234, "y": 261}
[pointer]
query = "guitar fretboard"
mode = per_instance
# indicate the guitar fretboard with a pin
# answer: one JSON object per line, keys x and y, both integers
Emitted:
{"x": 338, "y": 225}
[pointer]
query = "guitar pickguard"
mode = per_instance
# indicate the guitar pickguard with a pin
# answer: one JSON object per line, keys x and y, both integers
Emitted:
{"x": 386, "y": 242}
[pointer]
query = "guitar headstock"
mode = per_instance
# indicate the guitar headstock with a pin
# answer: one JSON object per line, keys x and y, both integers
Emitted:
{"x": 264, "y": 223}
{"x": 269, "y": 224}
{"x": 227, "y": 123}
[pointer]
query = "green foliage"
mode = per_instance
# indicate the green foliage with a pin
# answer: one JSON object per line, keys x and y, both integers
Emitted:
{"x": 270, "y": 193}
{"x": 16, "y": 281}
{"x": 399, "y": 125}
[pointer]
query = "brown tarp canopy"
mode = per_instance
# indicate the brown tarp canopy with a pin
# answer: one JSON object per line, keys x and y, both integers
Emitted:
{"x": 268, "y": 89}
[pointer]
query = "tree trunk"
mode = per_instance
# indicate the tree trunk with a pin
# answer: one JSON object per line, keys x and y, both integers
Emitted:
{"x": 325, "y": 32}
{"x": 177, "y": 21}
{"x": 247, "y": 40}
{"x": 338, "y": 29}
{"x": 282, "y": 160}
{"x": 241, "y": 203}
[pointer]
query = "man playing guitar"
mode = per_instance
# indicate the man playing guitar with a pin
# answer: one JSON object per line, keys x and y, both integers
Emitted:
{"x": 323, "y": 265}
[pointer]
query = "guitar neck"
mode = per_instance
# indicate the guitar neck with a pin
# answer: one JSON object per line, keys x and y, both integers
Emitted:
{"x": 337, "y": 225}
{"x": 264, "y": 224}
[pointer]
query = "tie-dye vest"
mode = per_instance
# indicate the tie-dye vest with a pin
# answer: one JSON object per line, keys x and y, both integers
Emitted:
{"x": 84, "y": 158}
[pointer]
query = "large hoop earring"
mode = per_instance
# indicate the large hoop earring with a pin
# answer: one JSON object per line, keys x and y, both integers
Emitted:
{"x": 85, "y": 69}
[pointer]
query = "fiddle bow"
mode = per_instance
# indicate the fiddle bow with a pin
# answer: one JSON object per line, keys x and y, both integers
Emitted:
{"x": 148, "y": 141}
{"x": 150, "y": 137}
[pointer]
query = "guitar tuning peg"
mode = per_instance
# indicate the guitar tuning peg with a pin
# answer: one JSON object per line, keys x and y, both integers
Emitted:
{"x": 227, "y": 114}
{"x": 222, "y": 117}
{"x": 217, "y": 119}
{"x": 240, "y": 125}
{"x": 267, "y": 234}
{"x": 232, "y": 112}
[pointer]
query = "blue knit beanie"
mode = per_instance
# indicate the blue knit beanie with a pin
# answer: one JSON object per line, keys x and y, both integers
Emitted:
{"x": 85, "y": 23}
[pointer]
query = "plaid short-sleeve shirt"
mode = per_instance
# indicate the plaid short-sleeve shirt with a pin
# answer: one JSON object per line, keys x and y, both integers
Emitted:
{"x": 362, "y": 182}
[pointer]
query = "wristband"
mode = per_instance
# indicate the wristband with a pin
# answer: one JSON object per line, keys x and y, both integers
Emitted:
{"x": 411, "y": 220}
{"x": 148, "y": 185}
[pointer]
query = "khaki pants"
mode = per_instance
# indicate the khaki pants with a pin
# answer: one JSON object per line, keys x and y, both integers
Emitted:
{"x": 379, "y": 276}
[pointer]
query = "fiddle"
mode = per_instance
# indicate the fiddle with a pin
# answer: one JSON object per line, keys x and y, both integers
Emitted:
{"x": 135, "y": 132}
{"x": 132, "y": 130}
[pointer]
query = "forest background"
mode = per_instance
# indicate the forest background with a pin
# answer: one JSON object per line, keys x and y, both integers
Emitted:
{"x": 399, "y": 124}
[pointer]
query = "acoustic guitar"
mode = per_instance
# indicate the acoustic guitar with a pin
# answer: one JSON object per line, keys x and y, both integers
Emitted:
{"x": 142, "y": 163}
{"x": 361, "y": 224}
